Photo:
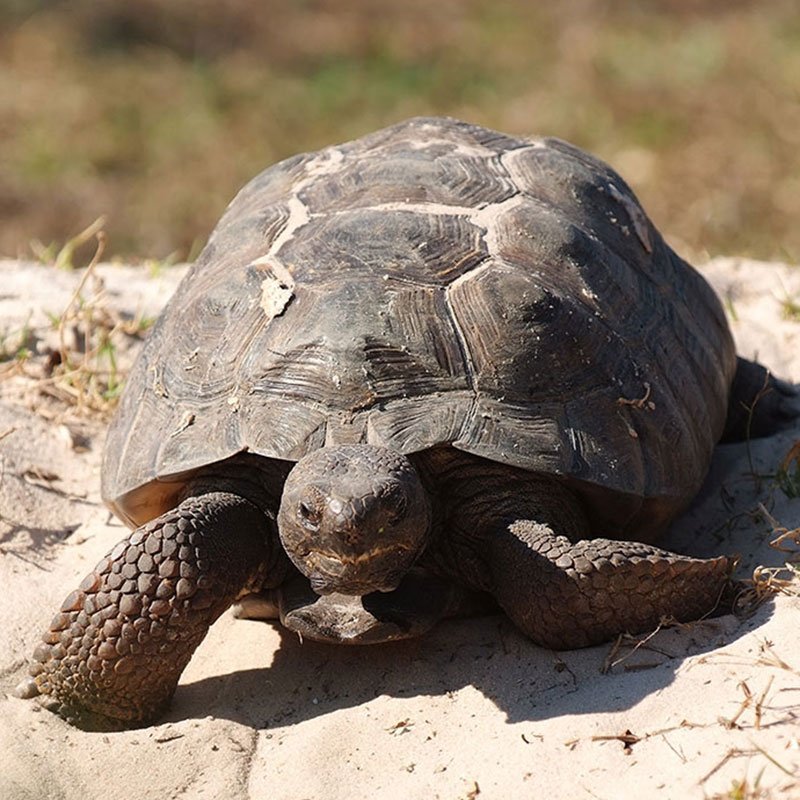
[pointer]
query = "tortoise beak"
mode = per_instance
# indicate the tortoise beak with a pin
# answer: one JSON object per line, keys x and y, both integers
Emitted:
{"x": 325, "y": 586}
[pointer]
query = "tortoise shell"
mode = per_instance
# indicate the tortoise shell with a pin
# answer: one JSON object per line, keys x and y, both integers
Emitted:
{"x": 435, "y": 283}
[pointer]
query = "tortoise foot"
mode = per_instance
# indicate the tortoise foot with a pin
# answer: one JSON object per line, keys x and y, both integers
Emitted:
{"x": 760, "y": 404}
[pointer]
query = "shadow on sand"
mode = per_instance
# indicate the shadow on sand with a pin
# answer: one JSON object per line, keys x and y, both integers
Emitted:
{"x": 526, "y": 682}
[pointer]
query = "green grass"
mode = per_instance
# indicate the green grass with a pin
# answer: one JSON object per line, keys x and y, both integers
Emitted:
{"x": 154, "y": 113}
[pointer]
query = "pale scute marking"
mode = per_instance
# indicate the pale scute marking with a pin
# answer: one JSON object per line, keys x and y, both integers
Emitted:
{"x": 298, "y": 216}
{"x": 486, "y": 218}
{"x": 416, "y": 208}
{"x": 277, "y": 288}
{"x": 460, "y": 148}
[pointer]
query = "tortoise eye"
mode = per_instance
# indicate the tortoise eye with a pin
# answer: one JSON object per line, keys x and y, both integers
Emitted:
{"x": 309, "y": 516}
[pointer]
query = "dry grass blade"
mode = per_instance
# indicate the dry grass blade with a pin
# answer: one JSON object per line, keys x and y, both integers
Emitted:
{"x": 79, "y": 380}
{"x": 635, "y": 644}
{"x": 7, "y": 432}
{"x": 744, "y": 789}
{"x": 764, "y": 390}
{"x": 765, "y": 582}
{"x": 734, "y": 752}
{"x": 782, "y": 534}
{"x": 793, "y": 536}
{"x": 774, "y": 761}
{"x": 63, "y": 259}
{"x": 628, "y": 740}
{"x": 746, "y": 702}
{"x": 759, "y": 708}
{"x": 770, "y": 658}
{"x": 787, "y": 476}
{"x": 474, "y": 791}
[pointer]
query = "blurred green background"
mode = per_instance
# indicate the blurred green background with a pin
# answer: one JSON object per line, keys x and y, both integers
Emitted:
{"x": 154, "y": 112}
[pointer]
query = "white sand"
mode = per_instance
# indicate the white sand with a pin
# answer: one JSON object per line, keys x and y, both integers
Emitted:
{"x": 473, "y": 710}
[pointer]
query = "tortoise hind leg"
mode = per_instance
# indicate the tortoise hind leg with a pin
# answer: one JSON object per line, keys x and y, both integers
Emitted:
{"x": 113, "y": 654}
{"x": 760, "y": 404}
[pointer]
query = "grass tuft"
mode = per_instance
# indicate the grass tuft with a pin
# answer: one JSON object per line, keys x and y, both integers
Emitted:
{"x": 75, "y": 359}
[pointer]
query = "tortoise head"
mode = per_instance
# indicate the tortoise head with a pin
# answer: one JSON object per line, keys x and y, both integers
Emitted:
{"x": 353, "y": 518}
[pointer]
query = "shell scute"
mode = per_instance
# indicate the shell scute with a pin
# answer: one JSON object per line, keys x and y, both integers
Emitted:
{"x": 400, "y": 244}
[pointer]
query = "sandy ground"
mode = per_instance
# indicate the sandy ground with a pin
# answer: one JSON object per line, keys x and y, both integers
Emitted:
{"x": 473, "y": 710}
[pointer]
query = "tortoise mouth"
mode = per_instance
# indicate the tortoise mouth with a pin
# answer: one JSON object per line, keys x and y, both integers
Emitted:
{"x": 378, "y": 570}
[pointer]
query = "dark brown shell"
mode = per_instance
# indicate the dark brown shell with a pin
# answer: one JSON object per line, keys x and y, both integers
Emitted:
{"x": 433, "y": 282}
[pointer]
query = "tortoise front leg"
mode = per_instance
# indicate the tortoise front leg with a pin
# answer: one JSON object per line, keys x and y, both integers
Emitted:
{"x": 113, "y": 654}
{"x": 566, "y": 594}
{"x": 531, "y": 547}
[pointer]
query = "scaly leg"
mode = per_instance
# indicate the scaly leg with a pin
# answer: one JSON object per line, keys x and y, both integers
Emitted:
{"x": 113, "y": 654}
{"x": 525, "y": 539}
{"x": 567, "y": 594}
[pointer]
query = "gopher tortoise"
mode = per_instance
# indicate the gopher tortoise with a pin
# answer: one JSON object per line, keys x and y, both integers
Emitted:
{"x": 429, "y": 366}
